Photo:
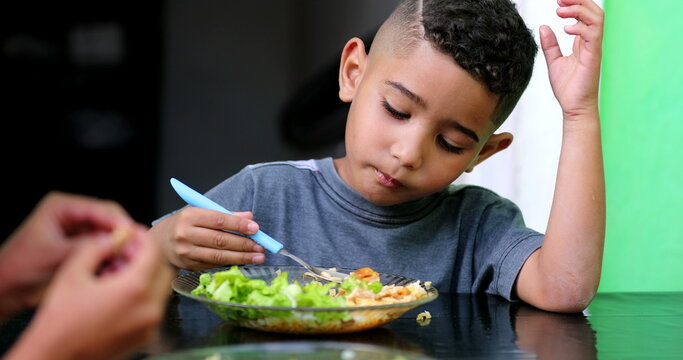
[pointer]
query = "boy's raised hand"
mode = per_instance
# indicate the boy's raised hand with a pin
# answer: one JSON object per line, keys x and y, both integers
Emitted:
{"x": 575, "y": 78}
{"x": 198, "y": 239}
{"x": 564, "y": 274}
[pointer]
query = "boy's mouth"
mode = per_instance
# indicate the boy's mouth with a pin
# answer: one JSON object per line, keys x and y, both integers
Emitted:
{"x": 387, "y": 180}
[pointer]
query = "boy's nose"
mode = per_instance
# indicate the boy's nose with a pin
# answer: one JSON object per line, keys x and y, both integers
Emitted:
{"x": 409, "y": 150}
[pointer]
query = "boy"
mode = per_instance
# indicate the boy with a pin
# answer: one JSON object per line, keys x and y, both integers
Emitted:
{"x": 425, "y": 101}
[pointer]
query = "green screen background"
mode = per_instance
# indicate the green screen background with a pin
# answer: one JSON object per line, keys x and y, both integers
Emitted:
{"x": 642, "y": 116}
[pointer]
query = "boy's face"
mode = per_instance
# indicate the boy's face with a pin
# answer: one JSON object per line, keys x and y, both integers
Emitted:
{"x": 415, "y": 123}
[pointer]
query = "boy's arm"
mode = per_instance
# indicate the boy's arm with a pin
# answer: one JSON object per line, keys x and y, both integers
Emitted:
{"x": 563, "y": 275}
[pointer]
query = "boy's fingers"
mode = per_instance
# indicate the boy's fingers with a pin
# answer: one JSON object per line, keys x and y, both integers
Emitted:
{"x": 580, "y": 13}
{"x": 224, "y": 257}
{"x": 551, "y": 49}
{"x": 584, "y": 31}
{"x": 218, "y": 220}
{"x": 222, "y": 240}
{"x": 587, "y": 3}
{"x": 245, "y": 214}
{"x": 195, "y": 265}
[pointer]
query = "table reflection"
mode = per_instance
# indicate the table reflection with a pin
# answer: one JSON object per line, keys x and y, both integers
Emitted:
{"x": 462, "y": 326}
{"x": 615, "y": 326}
{"x": 554, "y": 336}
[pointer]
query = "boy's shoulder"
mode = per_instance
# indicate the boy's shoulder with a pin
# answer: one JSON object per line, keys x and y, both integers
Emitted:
{"x": 288, "y": 165}
{"x": 269, "y": 179}
{"x": 472, "y": 190}
{"x": 290, "y": 173}
{"x": 477, "y": 196}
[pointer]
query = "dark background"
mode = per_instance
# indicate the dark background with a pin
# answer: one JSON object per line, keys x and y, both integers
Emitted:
{"x": 110, "y": 99}
{"x": 81, "y": 104}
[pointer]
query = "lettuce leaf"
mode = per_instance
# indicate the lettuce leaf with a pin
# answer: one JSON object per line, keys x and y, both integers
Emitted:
{"x": 233, "y": 286}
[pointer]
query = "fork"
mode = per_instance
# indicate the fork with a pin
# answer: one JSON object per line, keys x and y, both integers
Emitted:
{"x": 194, "y": 198}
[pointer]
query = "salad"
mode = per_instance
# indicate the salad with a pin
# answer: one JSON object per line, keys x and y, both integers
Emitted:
{"x": 361, "y": 288}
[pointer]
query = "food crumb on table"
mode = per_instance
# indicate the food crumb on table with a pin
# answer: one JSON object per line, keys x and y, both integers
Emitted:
{"x": 424, "y": 318}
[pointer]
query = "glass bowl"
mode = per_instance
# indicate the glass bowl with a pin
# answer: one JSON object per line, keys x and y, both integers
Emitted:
{"x": 300, "y": 320}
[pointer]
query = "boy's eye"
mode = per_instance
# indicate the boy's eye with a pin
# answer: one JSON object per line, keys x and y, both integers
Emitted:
{"x": 448, "y": 147}
{"x": 393, "y": 112}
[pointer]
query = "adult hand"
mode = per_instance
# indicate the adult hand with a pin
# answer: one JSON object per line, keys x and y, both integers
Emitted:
{"x": 196, "y": 239}
{"x": 91, "y": 314}
{"x": 36, "y": 249}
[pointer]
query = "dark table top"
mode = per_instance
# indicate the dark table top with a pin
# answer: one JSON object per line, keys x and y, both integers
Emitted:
{"x": 616, "y": 325}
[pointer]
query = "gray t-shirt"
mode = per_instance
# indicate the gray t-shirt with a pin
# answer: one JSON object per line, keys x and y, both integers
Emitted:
{"x": 464, "y": 239}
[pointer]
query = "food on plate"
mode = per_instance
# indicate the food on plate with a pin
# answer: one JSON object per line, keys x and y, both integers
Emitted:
{"x": 366, "y": 274}
{"x": 374, "y": 293}
{"x": 361, "y": 288}
{"x": 328, "y": 275}
{"x": 284, "y": 300}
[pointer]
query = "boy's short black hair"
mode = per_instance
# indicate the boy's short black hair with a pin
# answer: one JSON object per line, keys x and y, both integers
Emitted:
{"x": 487, "y": 38}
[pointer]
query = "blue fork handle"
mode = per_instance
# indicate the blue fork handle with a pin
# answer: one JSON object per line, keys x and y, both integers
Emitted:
{"x": 194, "y": 198}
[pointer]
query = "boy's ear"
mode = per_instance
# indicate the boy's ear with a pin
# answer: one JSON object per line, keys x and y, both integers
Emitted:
{"x": 351, "y": 68}
{"x": 494, "y": 144}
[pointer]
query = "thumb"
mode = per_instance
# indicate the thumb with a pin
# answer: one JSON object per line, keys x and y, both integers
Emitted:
{"x": 549, "y": 44}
